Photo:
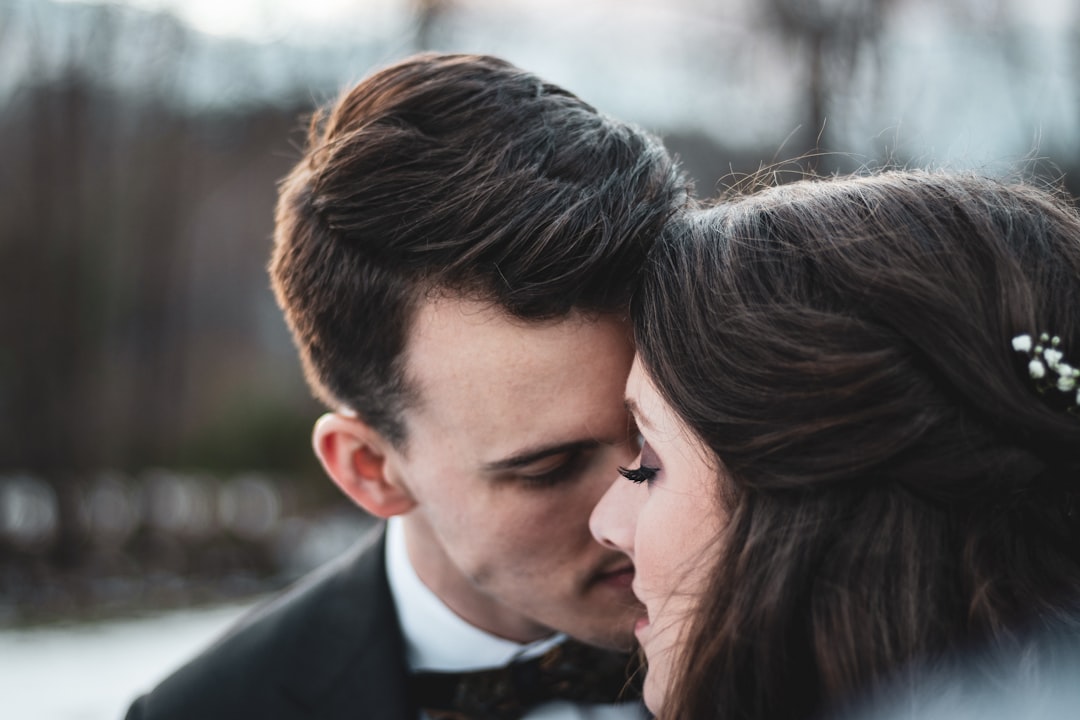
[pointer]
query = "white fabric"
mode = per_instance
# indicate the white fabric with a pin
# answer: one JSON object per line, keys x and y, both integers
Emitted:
{"x": 436, "y": 638}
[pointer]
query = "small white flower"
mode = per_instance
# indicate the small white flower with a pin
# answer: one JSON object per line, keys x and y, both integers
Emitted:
{"x": 1044, "y": 356}
{"x": 1022, "y": 343}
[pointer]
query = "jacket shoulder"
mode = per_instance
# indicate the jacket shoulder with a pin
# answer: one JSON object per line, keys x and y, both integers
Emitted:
{"x": 329, "y": 646}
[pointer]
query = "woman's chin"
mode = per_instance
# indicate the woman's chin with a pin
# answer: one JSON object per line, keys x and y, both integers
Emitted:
{"x": 653, "y": 693}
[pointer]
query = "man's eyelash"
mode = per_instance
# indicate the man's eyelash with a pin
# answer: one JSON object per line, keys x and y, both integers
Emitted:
{"x": 643, "y": 473}
{"x": 565, "y": 472}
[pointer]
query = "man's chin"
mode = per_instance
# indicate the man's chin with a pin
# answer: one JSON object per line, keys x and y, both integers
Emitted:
{"x": 611, "y": 635}
{"x": 622, "y": 641}
{"x": 619, "y": 609}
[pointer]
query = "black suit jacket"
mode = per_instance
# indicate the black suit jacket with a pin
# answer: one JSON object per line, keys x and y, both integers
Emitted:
{"x": 330, "y": 647}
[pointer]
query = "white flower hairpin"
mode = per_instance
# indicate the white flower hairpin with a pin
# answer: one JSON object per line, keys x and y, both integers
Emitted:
{"x": 1047, "y": 365}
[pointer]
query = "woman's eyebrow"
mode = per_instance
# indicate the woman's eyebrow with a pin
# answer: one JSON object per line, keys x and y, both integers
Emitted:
{"x": 641, "y": 418}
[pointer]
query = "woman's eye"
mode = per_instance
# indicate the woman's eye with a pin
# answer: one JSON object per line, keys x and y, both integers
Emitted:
{"x": 640, "y": 474}
{"x": 649, "y": 457}
{"x": 648, "y": 465}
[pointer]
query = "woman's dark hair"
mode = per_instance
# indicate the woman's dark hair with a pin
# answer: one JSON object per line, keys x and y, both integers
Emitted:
{"x": 904, "y": 490}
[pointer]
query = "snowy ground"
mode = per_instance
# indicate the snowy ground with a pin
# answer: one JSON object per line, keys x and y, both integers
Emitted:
{"x": 93, "y": 671}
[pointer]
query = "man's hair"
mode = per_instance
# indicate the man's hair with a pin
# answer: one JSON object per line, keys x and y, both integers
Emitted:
{"x": 458, "y": 174}
{"x": 897, "y": 486}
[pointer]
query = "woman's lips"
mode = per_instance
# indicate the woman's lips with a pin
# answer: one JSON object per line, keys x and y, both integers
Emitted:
{"x": 643, "y": 621}
{"x": 621, "y": 577}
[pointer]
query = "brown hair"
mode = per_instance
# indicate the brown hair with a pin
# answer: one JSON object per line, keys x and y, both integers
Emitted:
{"x": 457, "y": 173}
{"x": 902, "y": 489}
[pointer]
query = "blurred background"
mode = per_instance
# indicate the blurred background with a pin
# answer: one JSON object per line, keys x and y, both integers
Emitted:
{"x": 154, "y": 424}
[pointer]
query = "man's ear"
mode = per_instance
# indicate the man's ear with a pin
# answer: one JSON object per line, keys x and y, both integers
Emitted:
{"x": 355, "y": 457}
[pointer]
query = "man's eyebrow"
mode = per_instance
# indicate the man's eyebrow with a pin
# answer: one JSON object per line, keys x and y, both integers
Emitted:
{"x": 641, "y": 418}
{"x": 529, "y": 456}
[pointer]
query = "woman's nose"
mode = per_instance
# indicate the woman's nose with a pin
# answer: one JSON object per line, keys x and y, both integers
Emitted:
{"x": 614, "y": 519}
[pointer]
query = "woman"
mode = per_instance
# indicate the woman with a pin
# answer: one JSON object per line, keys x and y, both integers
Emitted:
{"x": 860, "y": 452}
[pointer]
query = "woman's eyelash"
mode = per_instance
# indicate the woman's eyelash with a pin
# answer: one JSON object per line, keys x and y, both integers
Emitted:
{"x": 643, "y": 473}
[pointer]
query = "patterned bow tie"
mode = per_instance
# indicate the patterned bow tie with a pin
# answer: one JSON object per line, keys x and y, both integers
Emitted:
{"x": 569, "y": 671}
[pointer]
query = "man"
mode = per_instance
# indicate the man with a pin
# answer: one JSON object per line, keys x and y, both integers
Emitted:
{"x": 454, "y": 255}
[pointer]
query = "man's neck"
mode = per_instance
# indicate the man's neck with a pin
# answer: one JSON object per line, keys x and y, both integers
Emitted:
{"x": 445, "y": 580}
{"x": 437, "y": 637}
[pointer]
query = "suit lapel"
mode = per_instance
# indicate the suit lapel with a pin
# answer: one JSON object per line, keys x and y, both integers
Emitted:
{"x": 349, "y": 659}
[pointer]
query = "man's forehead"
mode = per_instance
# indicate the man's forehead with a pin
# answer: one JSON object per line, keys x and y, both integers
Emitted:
{"x": 484, "y": 376}
{"x": 450, "y": 335}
